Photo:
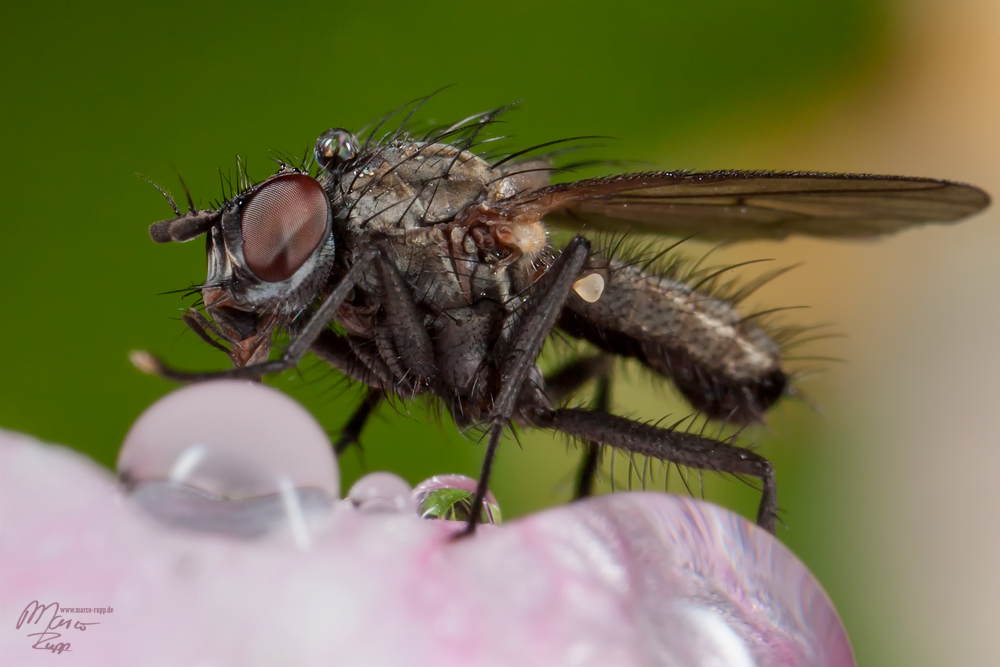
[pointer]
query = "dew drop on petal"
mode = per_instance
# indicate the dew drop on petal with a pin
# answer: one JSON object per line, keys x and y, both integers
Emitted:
{"x": 381, "y": 492}
{"x": 450, "y": 497}
{"x": 230, "y": 457}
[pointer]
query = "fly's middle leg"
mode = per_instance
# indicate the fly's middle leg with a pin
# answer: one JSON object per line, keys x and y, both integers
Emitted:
{"x": 535, "y": 327}
{"x": 563, "y": 382}
{"x": 351, "y": 433}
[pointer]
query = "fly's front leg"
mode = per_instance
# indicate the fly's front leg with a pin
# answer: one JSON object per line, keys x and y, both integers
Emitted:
{"x": 351, "y": 432}
{"x": 676, "y": 447}
{"x": 337, "y": 351}
{"x": 238, "y": 351}
{"x": 147, "y": 363}
{"x": 200, "y": 325}
{"x": 535, "y": 327}
{"x": 406, "y": 362}
{"x": 402, "y": 335}
{"x": 566, "y": 380}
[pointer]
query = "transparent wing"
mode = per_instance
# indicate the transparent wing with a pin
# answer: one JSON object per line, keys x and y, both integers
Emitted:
{"x": 736, "y": 205}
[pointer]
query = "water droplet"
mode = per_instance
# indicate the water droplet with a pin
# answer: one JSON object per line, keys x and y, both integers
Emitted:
{"x": 230, "y": 457}
{"x": 381, "y": 492}
{"x": 450, "y": 497}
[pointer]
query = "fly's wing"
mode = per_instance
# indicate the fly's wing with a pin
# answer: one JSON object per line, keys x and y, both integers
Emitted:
{"x": 738, "y": 205}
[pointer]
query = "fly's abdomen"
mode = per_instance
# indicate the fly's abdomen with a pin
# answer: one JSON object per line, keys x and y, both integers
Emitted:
{"x": 726, "y": 366}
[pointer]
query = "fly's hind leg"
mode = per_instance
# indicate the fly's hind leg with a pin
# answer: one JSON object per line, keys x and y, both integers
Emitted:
{"x": 592, "y": 458}
{"x": 562, "y": 383}
{"x": 680, "y": 448}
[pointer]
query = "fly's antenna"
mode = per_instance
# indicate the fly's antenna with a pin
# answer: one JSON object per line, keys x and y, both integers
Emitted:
{"x": 185, "y": 226}
{"x": 166, "y": 195}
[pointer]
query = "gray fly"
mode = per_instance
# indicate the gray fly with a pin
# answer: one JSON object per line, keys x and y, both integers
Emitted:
{"x": 436, "y": 267}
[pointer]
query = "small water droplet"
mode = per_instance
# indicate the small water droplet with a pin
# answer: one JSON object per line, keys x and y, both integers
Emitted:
{"x": 381, "y": 492}
{"x": 450, "y": 497}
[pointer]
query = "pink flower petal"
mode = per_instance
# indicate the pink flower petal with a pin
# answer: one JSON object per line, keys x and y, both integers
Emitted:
{"x": 623, "y": 579}
{"x": 630, "y": 578}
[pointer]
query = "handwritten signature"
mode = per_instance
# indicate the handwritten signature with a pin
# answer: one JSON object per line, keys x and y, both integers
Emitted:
{"x": 36, "y": 614}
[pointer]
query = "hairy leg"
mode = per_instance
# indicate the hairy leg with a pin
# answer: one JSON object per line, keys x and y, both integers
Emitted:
{"x": 406, "y": 346}
{"x": 592, "y": 457}
{"x": 535, "y": 327}
{"x": 202, "y": 327}
{"x": 566, "y": 380}
{"x": 352, "y": 430}
{"x": 291, "y": 357}
{"x": 686, "y": 449}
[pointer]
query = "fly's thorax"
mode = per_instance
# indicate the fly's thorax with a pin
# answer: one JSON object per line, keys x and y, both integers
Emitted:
{"x": 439, "y": 276}
{"x": 521, "y": 177}
{"x": 491, "y": 282}
{"x": 421, "y": 256}
{"x": 406, "y": 185}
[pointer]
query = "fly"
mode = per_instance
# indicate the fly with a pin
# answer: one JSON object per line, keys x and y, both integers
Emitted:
{"x": 437, "y": 268}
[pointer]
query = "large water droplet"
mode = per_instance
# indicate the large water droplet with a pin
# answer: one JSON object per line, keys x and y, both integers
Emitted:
{"x": 230, "y": 457}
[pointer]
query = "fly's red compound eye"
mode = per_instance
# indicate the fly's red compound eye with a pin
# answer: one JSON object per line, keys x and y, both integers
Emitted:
{"x": 282, "y": 224}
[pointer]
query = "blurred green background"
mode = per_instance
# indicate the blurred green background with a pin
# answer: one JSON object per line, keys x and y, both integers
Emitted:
{"x": 95, "y": 92}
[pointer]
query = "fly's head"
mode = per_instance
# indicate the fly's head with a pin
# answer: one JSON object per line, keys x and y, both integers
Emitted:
{"x": 270, "y": 249}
